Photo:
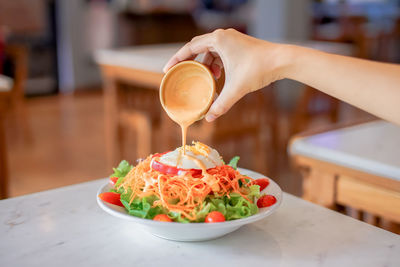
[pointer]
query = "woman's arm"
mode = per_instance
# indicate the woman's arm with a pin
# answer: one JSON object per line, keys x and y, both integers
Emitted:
{"x": 368, "y": 85}
{"x": 251, "y": 64}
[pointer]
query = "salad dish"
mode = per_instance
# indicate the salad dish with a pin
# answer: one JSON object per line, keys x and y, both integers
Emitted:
{"x": 175, "y": 193}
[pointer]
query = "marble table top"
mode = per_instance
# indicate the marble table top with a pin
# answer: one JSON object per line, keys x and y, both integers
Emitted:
{"x": 154, "y": 57}
{"x": 372, "y": 147}
{"x": 65, "y": 227}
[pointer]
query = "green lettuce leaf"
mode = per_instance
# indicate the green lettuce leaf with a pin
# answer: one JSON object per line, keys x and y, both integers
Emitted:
{"x": 141, "y": 208}
{"x": 233, "y": 162}
{"x": 121, "y": 171}
{"x": 238, "y": 207}
{"x": 235, "y": 207}
{"x": 176, "y": 217}
{"x": 212, "y": 204}
{"x": 254, "y": 192}
{"x": 240, "y": 182}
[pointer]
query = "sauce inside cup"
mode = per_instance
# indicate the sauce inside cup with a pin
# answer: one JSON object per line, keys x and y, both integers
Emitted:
{"x": 186, "y": 93}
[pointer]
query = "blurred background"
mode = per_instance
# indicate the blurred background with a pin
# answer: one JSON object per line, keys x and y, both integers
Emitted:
{"x": 79, "y": 81}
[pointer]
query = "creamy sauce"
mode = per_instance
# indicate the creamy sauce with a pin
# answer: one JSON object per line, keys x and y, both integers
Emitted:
{"x": 207, "y": 178}
{"x": 212, "y": 160}
{"x": 186, "y": 97}
{"x": 198, "y": 162}
{"x": 187, "y": 94}
{"x": 186, "y": 101}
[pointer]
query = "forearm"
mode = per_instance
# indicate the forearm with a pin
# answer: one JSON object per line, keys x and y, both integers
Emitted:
{"x": 371, "y": 86}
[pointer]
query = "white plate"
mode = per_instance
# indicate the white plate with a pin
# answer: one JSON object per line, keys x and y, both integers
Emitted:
{"x": 195, "y": 231}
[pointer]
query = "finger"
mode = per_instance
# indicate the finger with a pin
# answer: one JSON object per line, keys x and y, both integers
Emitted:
{"x": 216, "y": 67}
{"x": 208, "y": 59}
{"x": 199, "y": 44}
{"x": 223, "y": 103}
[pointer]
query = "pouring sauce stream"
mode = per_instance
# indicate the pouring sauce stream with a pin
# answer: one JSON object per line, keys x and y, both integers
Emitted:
{"x": 186, "y": 94}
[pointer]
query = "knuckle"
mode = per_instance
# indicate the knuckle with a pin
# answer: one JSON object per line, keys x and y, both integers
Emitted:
{"x": 219, "y": 35}
{"x": 218, "y": 31}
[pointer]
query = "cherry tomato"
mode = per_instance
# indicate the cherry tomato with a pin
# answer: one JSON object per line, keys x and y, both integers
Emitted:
{"x": 263, "y": 183}
{"x": 162, "y": 218}
{"x": 113, "y": 180}
{"x": 111, "y": 197}
{"x": 214, "y": 216}
{"x": 266, "y": 201}
{"x": 167, "y": 169}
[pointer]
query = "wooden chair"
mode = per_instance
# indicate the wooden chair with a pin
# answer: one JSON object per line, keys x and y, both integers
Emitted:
{"x": 313, "y": 104}
{"x": 5, "y": 98}
{"x": 139, "y": 114}
{"x": 19, "y": 60}
{"x": 130, "y": 97}
{"x": 243, "y": 131}
{"x": 351, "y": 31}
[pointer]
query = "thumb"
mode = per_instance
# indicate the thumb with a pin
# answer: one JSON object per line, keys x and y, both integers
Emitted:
{"x": 228, "y": 97}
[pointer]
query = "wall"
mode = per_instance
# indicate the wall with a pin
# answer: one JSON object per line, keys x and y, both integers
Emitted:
{"x": 82, "y": 28}
{"x": 282, "y": 21}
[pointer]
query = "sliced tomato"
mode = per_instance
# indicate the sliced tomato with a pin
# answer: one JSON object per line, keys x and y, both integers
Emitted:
{"x": 214, "y": 216}
{"x": 263, "y": 183}
{"x": 167, "y": 169}
{"x": 113, "y": 180}
{"x": 162, "y": 218}
{"x": 112, "y": 198}
{"x": 266, "y": 201}
{"x": 157, "y": 155}
{"x": 163, "y": 168}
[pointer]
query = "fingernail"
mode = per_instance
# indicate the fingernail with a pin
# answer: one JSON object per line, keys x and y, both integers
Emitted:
{"x": 210, "y": 117}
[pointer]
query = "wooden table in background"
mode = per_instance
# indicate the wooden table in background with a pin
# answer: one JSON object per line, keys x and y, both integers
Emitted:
{"x": 356, "y": 167}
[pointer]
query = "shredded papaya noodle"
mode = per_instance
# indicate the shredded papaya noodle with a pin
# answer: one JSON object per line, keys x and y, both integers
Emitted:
{"x": 182, "y": 193}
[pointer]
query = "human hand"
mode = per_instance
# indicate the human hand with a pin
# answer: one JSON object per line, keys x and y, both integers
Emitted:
{"x": 249, "y": 64}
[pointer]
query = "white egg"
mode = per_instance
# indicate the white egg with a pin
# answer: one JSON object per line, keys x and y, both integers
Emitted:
{"x": 211, "y": 161}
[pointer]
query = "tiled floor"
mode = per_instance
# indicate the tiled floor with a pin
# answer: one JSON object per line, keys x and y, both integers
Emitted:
{"x": 66, "y": 146}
